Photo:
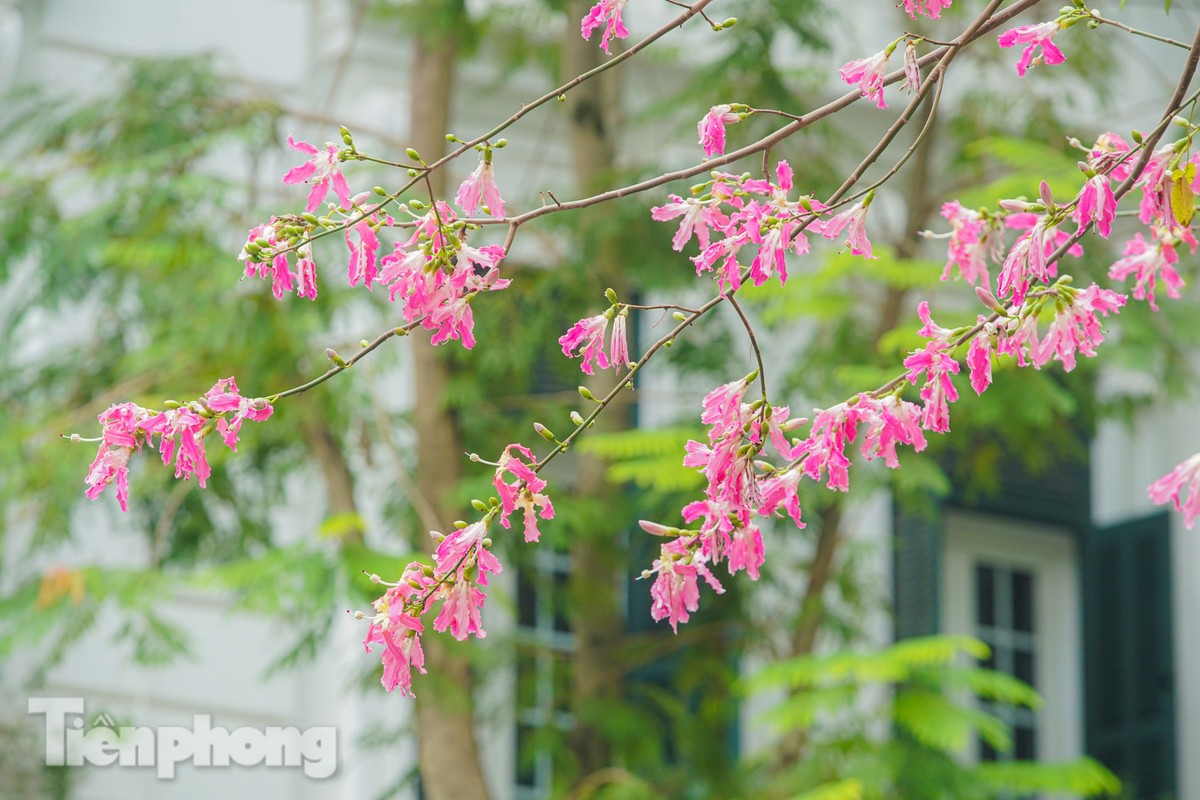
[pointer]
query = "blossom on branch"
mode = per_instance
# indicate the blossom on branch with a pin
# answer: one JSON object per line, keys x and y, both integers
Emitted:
{"x": 973, "y": 240}
{"x": 181, "y": 438}
{"x": 930, "y": 8}
{"x": 675, "y": 593}
{"x": 524, "y": 492}
{"x": 1171, "y": 486}
{"x": 1076, "y": 328}
{"x": 854, "y": 222}
{"x": 323, "y": 171}
{"x": 1034, "y": 36}
{"x": 1149, "y": 264}
{"x": 711, "y": 128}
{"x": 398, "y": 629}
{"x": 481, "y": 185}
{"x": 223, "y": 398}
{"x": 868, "y": 74}
{"x": 936, "y": 366}
{"x": 120, "y": 424}
{"x": 608, "y": 14}
{"x": 1096, "y": 203}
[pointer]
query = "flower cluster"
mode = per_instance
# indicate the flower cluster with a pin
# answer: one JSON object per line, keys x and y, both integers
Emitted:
{"x": 461, "y": 564}
{"x": 733, "y": 212}
{"x": 736, "y": 494}
{"x": 435, "y": 274}
{"x": 181, "y": 431}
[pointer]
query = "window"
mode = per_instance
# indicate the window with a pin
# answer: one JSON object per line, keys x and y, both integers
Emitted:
{"x": 544, "y": 651}
{"x": 1015, "y": 585}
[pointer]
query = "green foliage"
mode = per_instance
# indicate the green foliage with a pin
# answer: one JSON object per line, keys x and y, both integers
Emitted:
{"x": 933, "y": 711}
{"x": 648, "y": 458}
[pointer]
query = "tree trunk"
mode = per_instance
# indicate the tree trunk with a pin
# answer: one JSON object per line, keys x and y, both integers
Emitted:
{"x": 448, "y": 753}
{"x": 597, "y": 620}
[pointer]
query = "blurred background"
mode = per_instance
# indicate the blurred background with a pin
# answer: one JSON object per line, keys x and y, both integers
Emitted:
{"x": 1006, "y": 615}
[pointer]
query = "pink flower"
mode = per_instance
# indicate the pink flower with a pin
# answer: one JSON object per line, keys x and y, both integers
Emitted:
{"x": 461, "y": 611}
{"x": 723, "y": 409}
{"x": 306, "y": 274}
{"x": 868, "y": 74}
{"x": 929, "y": 328}
{"x": 698, "y": 217}
{"x": 1096, "y": 202}
{"x": 587, "y": 337}
{"x": 464, "y": 548}
{"x": 825, "y": 448}
{"x": 1148, "y": 264}
{"x": 972, "y": 241}
{"x": 889, "y": 422}
{"x": 854, "y": 221}
{"x": 1076, "y": 328}
{"x": 711, "y": 128}
{"x": 223, "y": 398}
{"x": 275, "y": 267}
{"x": 724, "y": 251}
{"x": 1033, "y": 36}
{"x": 779, "y": 491}
{"x": 979, "y": 359}
{"x": 322, "y": 171}
{"x": 608, "y": 14}
{"x": 362, "y": 265}
{"x": 1170, "y": 486}
{"x": 675, "y": 593}
{"x": 117, "y": 443}
{"x": 1110, "y": 155}
{"x": 180, "y": 428}
{"x": 745, "y": 550}
{"x": 481, "y": 184}
{"x": 938, "y": 392}
{"x": 930, "y": 8}
{"x": 398, "y": 630}
{"x": 524, "y": 492}
{"x": 618, "y": 343}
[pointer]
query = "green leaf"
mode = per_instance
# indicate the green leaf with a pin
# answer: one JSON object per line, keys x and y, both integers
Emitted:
{"x": 1083, "y": 776}
{"x": 849, "y": 789}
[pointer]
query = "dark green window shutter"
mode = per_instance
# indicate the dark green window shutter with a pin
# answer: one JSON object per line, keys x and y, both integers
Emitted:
{"x": 1129, "y": 673}
{"x": 917, "y": 573}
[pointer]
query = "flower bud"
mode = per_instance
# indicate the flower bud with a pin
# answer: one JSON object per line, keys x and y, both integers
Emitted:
{"x": 413, "y": 154}
{"x": 1047, "y": 197}
{"x": 988, "y": 299}
{"x": 611, "y": 295}
{"x": 451, "y": 138}
{"x": 459, "y": 524}
{"x": 586, "y": 394}
{"x": 1015, "y": 206}
{"x": 332, "y": 355}
{"x": 655, "y": 529}
{"x": 679, "y": 316}
{"x": 479, "y": 505}
{"x": 576, "y": 418}
{"x": 544, "y": 432}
